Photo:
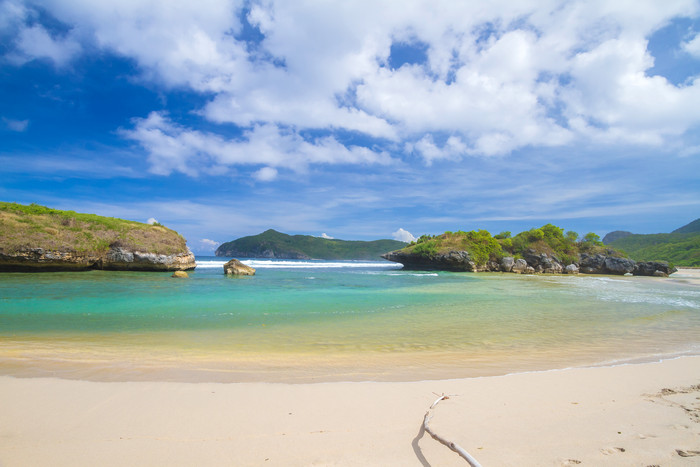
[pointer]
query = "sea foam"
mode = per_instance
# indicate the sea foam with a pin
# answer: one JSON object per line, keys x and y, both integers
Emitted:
{"x": 300, "y": 264}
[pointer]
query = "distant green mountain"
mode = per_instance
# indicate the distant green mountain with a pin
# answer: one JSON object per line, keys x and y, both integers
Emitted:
{"x": 681, "y": 247}
{"x": 616, "y": 235}
{"x": 273, "y": 244}
{"x": 693, "y": 227}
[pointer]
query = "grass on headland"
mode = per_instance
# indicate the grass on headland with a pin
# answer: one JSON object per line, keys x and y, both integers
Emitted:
{"x": 34, "y": 226}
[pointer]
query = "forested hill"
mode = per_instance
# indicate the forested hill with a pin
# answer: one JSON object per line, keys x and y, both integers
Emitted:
{"x": 273, "y": 244}
{"x": 680, "y": 247}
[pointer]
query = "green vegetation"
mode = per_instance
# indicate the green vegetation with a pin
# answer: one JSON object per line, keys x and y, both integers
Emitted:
{"x": 482, "y": 247}
{"x": 33, "y": 226}
{"x": 681, "y": 247}
{"x": 282, "y": 245}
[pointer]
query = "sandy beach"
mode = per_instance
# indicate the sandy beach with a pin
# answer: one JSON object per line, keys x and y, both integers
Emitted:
{"x": 642, "y": 414}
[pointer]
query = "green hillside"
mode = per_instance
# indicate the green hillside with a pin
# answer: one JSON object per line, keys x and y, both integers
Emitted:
{"x": 273, "y": 244}
{"x": 693, "y": 227}
{"x": 483, "y": 247}
{"x": 681, "y": 247}
{"x": 34, "y": 226}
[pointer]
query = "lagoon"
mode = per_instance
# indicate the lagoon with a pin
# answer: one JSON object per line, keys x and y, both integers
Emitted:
{"x": 302, "y": 321}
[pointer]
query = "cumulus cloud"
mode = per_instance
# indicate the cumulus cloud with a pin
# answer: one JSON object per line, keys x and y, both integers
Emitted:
{"x": 209, "y": 244}
{"x": 172, "y": 147}
{"x": 35, "y": 42}
{"x": 16, "y": 125}
{"x": 693, "y": 46}
{"x": 403, "y": 236}
{"x": 326, "y": 236}
{"x": 266, "y": 174}
{"x": 152, "y": 221}
{"x": 496, "y": 78}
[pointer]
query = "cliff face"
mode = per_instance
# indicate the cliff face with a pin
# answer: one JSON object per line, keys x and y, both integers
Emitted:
{"x": 38, "y": 259}
{"x": 35, "y": 238}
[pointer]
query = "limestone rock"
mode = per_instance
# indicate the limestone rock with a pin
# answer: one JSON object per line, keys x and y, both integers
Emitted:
{"x": 592, "y": 264}
{"x": 507, "y": 264}
{"x": 236, "y": 268}
{"x": 618, "y": 265}
{"x": 180, "y": 274}
{"x": 571, "y": 269}
{"x": 520, "y": 266}
{"x": 450, "y": 261}
{"x": 649, "y": 268}
{"x": 118, "y": 258}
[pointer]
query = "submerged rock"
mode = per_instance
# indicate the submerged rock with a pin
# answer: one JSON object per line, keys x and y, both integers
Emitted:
{"x": 180, "y": 274}
{"x": 236, "y": 268}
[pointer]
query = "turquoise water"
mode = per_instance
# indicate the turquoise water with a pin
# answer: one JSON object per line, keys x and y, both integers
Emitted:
{"x": 300, "y": 321}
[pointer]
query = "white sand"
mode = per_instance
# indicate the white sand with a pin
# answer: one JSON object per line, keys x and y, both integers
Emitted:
{"x": 595, "y": 416}
{"x": 687, "y": 276}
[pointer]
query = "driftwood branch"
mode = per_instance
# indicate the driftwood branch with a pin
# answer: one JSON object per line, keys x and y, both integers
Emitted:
{"x": 453, "y": 446}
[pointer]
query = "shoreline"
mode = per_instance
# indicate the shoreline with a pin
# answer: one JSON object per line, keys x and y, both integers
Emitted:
{"x": 71, "y": 361}
{"x": 628, "y": 414}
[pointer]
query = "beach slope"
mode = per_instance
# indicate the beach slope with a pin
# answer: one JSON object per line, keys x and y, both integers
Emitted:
{"x": 643, "y": 414}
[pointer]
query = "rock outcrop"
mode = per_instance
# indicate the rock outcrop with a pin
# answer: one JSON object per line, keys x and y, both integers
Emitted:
{"x": 653, "y": 268}
{"x": 38, "y": 238}
{"x": 116, "y": 259}
{"x": 450, "y": 261}
{"x": 236, "y": 268}
{"x": 531, "y": 263}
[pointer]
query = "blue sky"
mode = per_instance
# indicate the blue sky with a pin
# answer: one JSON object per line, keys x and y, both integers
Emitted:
{"x": 358, "y": 120}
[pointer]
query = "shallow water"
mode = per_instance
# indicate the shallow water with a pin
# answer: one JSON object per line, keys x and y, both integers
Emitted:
{"x": 310, "y": 321}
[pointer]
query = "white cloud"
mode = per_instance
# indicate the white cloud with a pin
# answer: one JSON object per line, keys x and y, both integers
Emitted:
{"x": 152, "y": 221}
{"x": 403, "y": 236}
{"x": 499, "y": 76}
{"x": 208, "y": 244}
{"x": 326, "y": 236}
{"x": 36, "y": 43}
{"x": 16, "y": 125}
{"x": 693, "y": 46}
{"x": 172, "y": 148}
{"x": 266, "y": 174}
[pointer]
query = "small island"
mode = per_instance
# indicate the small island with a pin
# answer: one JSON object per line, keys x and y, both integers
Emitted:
{"x": 541, "y": 250}
{"x": 36, "y": 238}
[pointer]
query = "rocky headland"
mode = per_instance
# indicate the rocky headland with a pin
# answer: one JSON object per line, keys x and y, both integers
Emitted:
{"x": 545, "y": 250}
{"x": 531, "y": 263}
{"x": 35, "y": 238}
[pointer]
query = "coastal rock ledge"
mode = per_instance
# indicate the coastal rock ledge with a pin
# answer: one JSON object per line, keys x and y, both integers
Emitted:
{"x": 531, "y": 263}
{"x": 116, "y": 259}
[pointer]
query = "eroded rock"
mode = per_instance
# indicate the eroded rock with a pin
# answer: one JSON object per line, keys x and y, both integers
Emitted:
{"x": 236, "y": 268}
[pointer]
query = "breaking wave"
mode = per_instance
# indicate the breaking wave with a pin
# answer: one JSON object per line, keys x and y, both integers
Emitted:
{"x": 299, "y": 264}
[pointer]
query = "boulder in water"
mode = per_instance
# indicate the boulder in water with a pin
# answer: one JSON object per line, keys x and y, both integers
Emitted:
{"x": 236, "y": 268}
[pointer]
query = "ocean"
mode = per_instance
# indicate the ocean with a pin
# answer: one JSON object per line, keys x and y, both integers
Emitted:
{"x": 301, "y": 321}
